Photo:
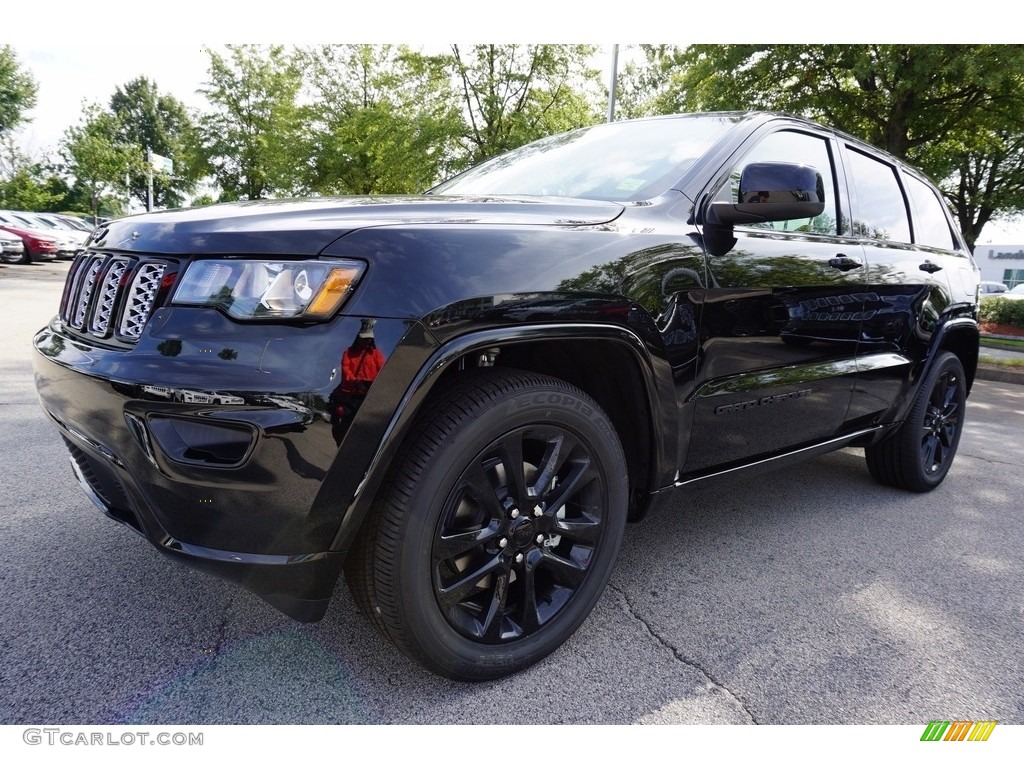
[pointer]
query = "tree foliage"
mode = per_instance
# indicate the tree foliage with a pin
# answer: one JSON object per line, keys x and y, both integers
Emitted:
{"x": 898, "y": 97}
{"x": 379, "y": 119}
{"x": 20, "y": 184}
{"x": 985, "y": 176}
{"x": 957, "y": 111}
{"x": 381, "y": 122}
{"x": 513, "y": 94}
{"x": 253, "y": 138}
{"x": 97, "y": 159}
{"x": 25, "y": 185}
{"x": 17, "y": 91}
{"x": 149, "y": 120}
{"x": 642, "y": 83}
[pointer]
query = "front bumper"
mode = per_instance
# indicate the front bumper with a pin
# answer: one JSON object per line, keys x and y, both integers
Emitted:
{"x": 41, "y": 255}
{"x": 298, "y": 585}
{"x": 215, "y": 458}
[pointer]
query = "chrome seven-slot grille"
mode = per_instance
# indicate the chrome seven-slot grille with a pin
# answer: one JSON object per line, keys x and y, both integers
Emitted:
{"x": 111, "y": 295}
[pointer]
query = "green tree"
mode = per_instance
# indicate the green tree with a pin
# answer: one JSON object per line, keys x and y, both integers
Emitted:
{"x": 383, "y": 123}
{"x": 27, "y": 190}
{"x": 513, "y": 94}
{"x": 23, "y": 183}
{"x": 639, "y": 84}
{"x": 97, "y": 159}
{"x": 986, "y": 177}
{"x": 252, "y": 139}
{"x": 147, "y": 119}
{"x": 17, "y": 91}
{"x": 957, "y": 111}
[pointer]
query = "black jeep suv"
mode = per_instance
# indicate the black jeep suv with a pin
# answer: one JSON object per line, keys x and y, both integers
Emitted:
{"x": 459, "y": 399}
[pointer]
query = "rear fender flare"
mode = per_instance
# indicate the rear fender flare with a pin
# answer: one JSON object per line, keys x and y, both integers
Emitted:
{"x": 959, "y": 335}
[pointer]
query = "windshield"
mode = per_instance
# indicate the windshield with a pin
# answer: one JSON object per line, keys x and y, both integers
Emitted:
{"x": 634, "y": 160}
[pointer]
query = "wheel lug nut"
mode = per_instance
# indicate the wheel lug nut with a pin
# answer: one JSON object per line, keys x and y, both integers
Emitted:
{"x": 503, "y": 543}
{"x": 540, "y": 538}
{"x": 537, "y": 511}
{"x": 514, "y": 513}
{"x": 519, "y": 557}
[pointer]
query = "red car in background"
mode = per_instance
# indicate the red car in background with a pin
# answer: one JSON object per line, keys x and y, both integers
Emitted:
{"x": 38, "y": 245}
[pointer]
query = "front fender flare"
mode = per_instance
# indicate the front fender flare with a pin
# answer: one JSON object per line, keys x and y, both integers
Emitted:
{"x": 358, "y": 504}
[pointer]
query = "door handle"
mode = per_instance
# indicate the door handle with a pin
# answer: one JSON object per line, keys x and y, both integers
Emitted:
{"x": 930, "y": 267}
{"x": 844, "y": 263}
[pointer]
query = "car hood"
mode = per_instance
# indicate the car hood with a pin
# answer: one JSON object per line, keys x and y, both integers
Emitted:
{"x": 306, "y": 227}
{"x": 27, "y": 232}
{"x": 64, "y": 238}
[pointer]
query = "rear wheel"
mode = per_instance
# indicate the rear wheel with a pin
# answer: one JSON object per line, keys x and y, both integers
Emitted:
{"x": 498, "y": 527}
{"x": 918, "y": 455}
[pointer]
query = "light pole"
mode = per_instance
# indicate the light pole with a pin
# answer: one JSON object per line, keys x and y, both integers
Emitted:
{"x": 149, "y": 179}
{"x": 611, "y": 84}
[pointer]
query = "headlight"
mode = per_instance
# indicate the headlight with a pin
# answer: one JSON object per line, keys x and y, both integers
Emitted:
{"x": 249, "y": 289}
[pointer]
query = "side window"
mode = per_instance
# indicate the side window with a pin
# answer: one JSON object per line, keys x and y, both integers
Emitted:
{"x": 881, "y": 209}
{"x": 1013, "y": 277}
{"x": 930, "y": 224}
{"x": 792, "y": 147}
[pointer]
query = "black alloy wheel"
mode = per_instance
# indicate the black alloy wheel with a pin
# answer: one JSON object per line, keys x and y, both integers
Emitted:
{"x": 516, "y": 537}
{"x": 918, "y": 456}
{"x": 940, "y": 431}
{"x": 498, "y": 526}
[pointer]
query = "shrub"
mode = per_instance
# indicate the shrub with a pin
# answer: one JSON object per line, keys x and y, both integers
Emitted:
{"x": 1002, "y": 311}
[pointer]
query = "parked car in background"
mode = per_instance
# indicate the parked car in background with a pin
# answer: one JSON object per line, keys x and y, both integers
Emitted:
{"x": 989, "y": 288}
{"x": 74, "y": 222}
{"x": 39, "y": 246}
{"x": 459, "y": 399}
{"x": 1017, "y": 292}
{"x": 69, "y": 241}
{"x": 12, "y": 249}
{"x": 62, "y": 222}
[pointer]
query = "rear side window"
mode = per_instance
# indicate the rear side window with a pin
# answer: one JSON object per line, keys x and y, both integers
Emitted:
{"x": 930, "y": 224}
{"x": 881, "y": 209}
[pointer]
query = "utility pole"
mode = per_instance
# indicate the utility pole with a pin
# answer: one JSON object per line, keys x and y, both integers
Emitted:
{"x": 611, "y": 85}
{"x": 149, "y": 179}
{"x": 155, "y": 162}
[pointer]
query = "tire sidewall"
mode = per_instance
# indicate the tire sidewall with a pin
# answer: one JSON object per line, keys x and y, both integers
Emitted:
{"x": 436, "y": 640}
{"x": 947, "y": 362}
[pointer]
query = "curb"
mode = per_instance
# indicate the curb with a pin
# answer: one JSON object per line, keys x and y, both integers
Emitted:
{"x": 1000, "y": 373}
{"x": 1001, "y": 336}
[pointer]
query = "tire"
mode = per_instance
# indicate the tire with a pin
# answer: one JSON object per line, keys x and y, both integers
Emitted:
{"x": 8, "y": 258}
{"x": 919, "y": 454}
{"x": 497, "y": 528}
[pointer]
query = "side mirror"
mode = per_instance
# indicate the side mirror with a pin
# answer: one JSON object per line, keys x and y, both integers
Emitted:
{"x": 773, "y": 192}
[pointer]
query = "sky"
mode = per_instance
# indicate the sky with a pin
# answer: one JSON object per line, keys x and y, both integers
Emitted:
{"x": 73, "y": 74}
{"x": 81, "y": 55}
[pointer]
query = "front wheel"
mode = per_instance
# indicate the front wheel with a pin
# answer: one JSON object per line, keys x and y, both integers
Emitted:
{"x": 918, "y": 455}
{"x": 498, "y": 527}
{"x": 10, "y": 258}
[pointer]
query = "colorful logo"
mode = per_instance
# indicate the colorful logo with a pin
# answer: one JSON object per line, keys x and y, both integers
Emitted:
{"x": 958, "y": 730}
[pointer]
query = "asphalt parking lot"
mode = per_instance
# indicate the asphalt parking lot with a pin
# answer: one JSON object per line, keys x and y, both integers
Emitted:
{"x": 810, "y": 595}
